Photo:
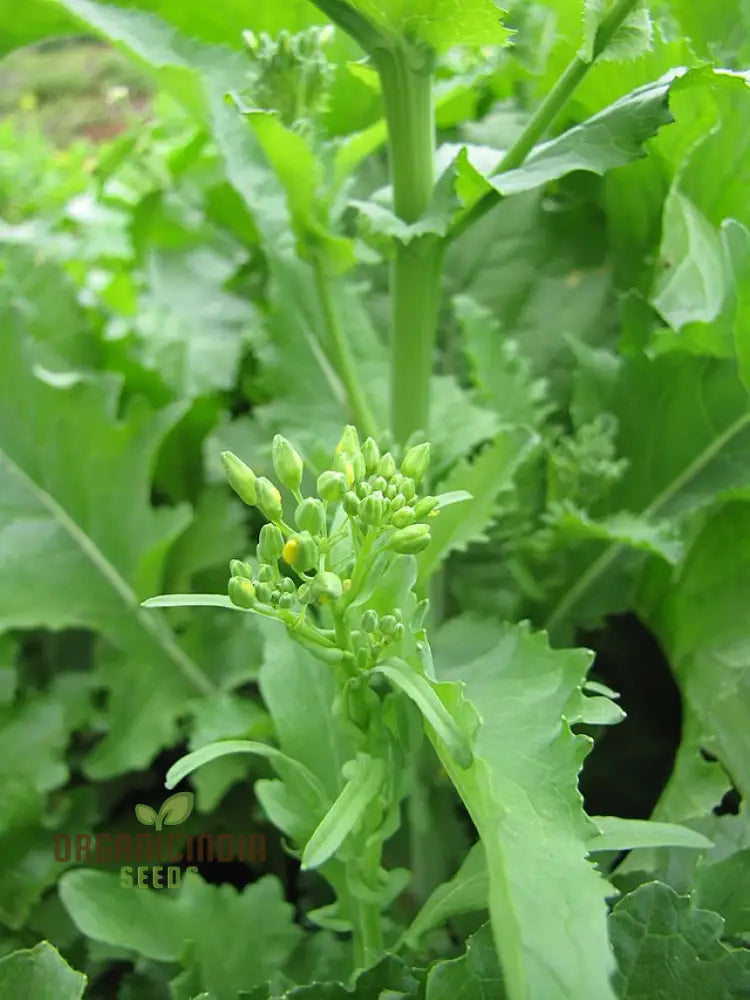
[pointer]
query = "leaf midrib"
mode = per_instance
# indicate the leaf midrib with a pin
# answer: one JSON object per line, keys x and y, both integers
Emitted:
{"x": 610, "y": 554}
{"x": 157, "y": 631}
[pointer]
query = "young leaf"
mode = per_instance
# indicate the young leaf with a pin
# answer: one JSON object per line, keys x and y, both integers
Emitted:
{"x": 346, "y": 812}
{"x": 39, "y": 973}
{"x": 633, "y": 38}
{"x": 476, "y": 973}
{"x": 425, "y": 694}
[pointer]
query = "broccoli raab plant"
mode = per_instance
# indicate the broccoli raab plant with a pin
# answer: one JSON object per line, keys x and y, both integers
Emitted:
{"x": 341, "y": 581}
{"x": 521, "y": 235}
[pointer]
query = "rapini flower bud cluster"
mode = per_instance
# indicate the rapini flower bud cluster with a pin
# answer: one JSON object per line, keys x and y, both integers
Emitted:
{"x": 367, "y": 504}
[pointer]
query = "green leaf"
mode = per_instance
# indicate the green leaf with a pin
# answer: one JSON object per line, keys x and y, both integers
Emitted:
{"x": 292, "y": 771}
{"x": 475, "y": 974}
{"x": 466, "y": 892}
{"x": 700, "y": 625}
{"x": 159, "y": 925}
{"x": 659, "y": 538}
{"x": 724, "y": 886}
{"x": 190, "y": 601}
{"x": 617, "y": 834}
{"x": 86, "y": 493}
{"x": 39, "y": 973}
{"x": 486, "y": 478}
{"x": 341, "y": 819}
{"x": 426, "y": 695}
{"x": 299, "y": 692}
{"x": 632, "y": 38}
{"x": 523, "y": 797}
{"x": 665, "y": 946}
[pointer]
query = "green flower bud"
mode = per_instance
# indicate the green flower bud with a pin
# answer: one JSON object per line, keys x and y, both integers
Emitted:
{"x": 310, "y": 516}
{"x": 398, "y": 632}
{"x": 332, "y": 486}
{"x": 363, "y": 490}
{"x": 287, "y": 585}
{"x": 266, "y": 574}
{"x": 410, "y": 540}
{"x": 371, "y": 455}
{"x": 301, "y": 552}
{"x": 303, "y": 594}
{"x": 397, "y": 502}
{"x": 371, "y": 509}
{"x": 379, "y": 483}
{"x": 349, "y": 443}
{"x": 408, "y": 488}
{"x": 350, "y": 503}
{"x": 397, "y": 480}
{"x": 287, "y": 463}
{"x": 270, "y": 543}
{"x": 286, "y": 601}
{"x": 388, "y": 624}
{"x": 240, "y": 477}
{"x": 358, "y": 464}
{"x": 387, "y": 465}
{"x": 390, "y": 491}
{"x": 269, "y": 499}
{"x": 416, "y": 462}
{"x": 343, "y": 464}
{"x": 275, "y": 595}
{"x": 425, "y": 505}
{"x": 369, "y": 620}
{"x": 239, "y": 568}
{"x": 263, "y": 593}
{"x": 326, "y": 587}
{"x": 241, "y": 592}
{"x": 403, "y": 517}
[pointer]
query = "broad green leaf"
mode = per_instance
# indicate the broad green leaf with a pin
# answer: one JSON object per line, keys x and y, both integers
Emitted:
{"x": 486, "y": 478}
{"x": 665, "y": 946}
{"x": 719, "y": 34}
{"x": 617, "y": 834}
{"x": 81, "y": 477}
{"x": 522, "y": 795}
{"x": 39, "y": 973}
{"x": 458, "y": 424}
{"x": 466, "y": 892}
{"x": 475, "y": 974}
{"x": 159, "y": 925}
{"x": 341, "y": 819}
{"x": 426, "y": 695}
{"x": 700, "y": 625}
{"x": 724, "y": 886}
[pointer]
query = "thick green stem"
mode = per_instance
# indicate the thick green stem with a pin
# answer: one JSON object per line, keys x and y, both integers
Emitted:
{"x": 342, "y": 355}
{"x": 368, "y": 932}
{"x": 415, "y": 282}
{"x": 547, "y": 112}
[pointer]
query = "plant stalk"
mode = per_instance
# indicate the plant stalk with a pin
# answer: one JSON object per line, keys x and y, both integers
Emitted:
{"x": 546, "y": 113}
{"x": 342, "y": 355}
{"x": 415, "y": 278}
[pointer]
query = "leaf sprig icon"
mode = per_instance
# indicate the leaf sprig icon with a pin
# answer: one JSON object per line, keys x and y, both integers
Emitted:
{"x": 173, "y": 811}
